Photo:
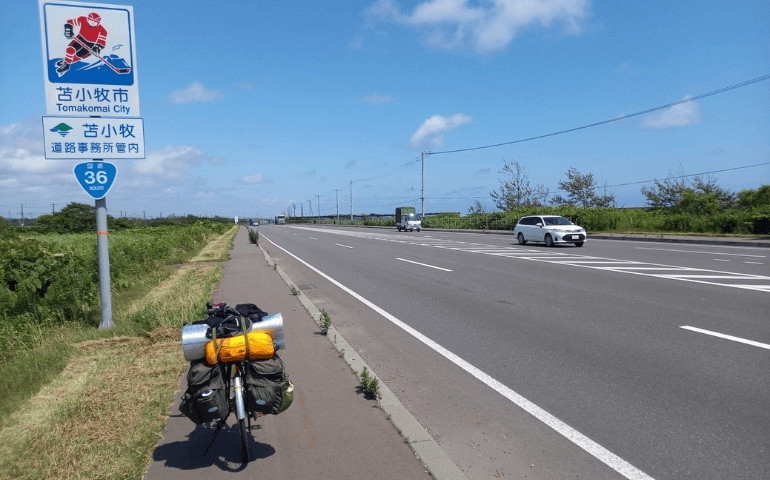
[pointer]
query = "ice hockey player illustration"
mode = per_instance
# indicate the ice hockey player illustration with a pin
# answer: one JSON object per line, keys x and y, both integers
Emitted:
{"x": 90, "y": 39}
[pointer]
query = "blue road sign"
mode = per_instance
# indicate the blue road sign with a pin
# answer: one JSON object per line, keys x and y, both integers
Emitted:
{"x": 96, "y": 178}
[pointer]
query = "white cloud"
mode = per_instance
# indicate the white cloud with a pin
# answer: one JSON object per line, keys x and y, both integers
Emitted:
{"x": 680, "y": 115}
{"x": 21, "y": 153}
{"x": 28, "y": 181}
{"x": 252, "y": 179}
{"x": 431, "y": 132}
{"x": 491, "y": 26}
{"x": 379, "y": 99}
{"x": 446, "y": 12}
{"x": 171, "y": 163}
{"x": 195, "y": 93}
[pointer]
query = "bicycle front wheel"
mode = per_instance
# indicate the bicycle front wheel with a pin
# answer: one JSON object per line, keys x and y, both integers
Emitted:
{"x": 239, "y": 398}
{"x": 242, "y": 426}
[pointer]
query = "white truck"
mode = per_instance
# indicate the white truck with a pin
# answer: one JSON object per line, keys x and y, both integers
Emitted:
{"x": 407, "y": 219}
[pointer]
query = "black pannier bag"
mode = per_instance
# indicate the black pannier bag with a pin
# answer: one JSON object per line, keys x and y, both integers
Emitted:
{"x": 268, "y": 389}
{"x": 205, "y": 399}
{"x": 251, "y": 311}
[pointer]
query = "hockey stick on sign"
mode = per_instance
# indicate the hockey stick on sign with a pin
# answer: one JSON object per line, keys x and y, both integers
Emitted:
{"x": 113, "y": 67}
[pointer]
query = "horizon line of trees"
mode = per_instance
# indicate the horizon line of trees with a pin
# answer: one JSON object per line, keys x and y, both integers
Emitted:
{"x": 675, "y": 194}
{"x": 81, "y": 218}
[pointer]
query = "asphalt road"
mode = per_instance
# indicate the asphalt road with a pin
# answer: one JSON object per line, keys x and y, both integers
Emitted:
{"x": 556, "y": 363}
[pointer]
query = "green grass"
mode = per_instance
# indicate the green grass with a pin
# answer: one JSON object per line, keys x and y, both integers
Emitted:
{"x": 90, "y": 404}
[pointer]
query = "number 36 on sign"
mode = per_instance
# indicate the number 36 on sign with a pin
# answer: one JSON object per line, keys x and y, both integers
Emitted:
{"x": 96, "y": 178}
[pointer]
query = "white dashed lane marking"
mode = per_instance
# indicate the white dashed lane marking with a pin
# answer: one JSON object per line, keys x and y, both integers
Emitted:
{"x": 759, "y": 283}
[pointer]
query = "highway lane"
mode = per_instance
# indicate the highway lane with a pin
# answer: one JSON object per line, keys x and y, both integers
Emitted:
{"x": 568, "y": 329}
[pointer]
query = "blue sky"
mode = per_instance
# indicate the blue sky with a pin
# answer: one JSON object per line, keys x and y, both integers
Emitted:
{"x": 254, "y": 108}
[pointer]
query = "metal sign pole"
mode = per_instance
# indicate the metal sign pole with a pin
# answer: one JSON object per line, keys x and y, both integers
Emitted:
{"x": 103, "y": 257}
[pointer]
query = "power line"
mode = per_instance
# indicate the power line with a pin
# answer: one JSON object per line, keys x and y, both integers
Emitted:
{"x": 688, "y": 175}
{"x": 583, "y": 127}
{"x": 616, "y": 119}
{"x": 620, "y": 184}
{"x": 396, "y": 170}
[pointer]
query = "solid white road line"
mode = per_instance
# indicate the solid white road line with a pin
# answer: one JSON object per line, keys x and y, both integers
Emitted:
{"x": 726, "y": 337}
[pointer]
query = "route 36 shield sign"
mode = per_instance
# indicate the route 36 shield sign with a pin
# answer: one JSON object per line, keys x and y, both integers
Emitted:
{"x": 96, "y": 178}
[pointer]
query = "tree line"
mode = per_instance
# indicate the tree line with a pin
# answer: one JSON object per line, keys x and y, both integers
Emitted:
{"x": 81, "y": 218}
{"x": 675, "y": 194}
{"x": 676, "y": 203}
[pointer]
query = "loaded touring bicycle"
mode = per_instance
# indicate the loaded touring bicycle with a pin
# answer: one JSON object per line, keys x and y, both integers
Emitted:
{"x": 234, "y": 368}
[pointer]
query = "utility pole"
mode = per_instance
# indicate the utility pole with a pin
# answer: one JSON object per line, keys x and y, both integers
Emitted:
{"x": 422, "y": 197}
{"x": 337, "y": 194}
{"x": 318, "y": 207}
{"x": 53, "y": 208}
{"x": 351, "y": 202}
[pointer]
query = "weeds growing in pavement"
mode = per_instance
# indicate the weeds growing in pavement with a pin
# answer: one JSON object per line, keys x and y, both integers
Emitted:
{"x": 369, "y": 384}
{"x": 326, "y": 322}
{"x": 254, "y": 236}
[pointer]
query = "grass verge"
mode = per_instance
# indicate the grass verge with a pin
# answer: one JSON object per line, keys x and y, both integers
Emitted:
{"x": 101, "y": 416}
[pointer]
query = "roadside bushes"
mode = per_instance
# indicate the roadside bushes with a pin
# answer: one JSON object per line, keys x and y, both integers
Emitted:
{"x": 45, "y": 281}
{"x": 50, "y": 279}
{"x": 758, "y": 221}
{"x": 735, "y": 222}
{"x": 620, "y": 220}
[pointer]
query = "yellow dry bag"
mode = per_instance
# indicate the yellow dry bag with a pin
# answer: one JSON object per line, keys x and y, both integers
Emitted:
{"x": 235, "y": 349}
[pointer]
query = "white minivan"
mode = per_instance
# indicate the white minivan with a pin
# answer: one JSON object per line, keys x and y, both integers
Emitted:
{"x": 549, "y": 229}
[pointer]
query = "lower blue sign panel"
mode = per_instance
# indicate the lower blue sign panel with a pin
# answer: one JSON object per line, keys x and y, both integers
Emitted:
{"x": 96, "y": 178}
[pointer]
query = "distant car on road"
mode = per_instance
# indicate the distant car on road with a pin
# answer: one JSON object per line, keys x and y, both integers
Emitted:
{"x": 549, "y": 229}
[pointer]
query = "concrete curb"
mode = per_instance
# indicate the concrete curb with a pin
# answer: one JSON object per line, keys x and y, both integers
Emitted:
{"x": 650, "y": 237}
{"x": 436, "y": 461}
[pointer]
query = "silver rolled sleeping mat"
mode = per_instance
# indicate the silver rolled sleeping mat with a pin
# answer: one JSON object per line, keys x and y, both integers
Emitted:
{"x": 194, "y": 338}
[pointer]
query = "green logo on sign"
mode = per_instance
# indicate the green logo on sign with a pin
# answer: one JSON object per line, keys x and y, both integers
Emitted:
{"x": 62, "y": 129}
